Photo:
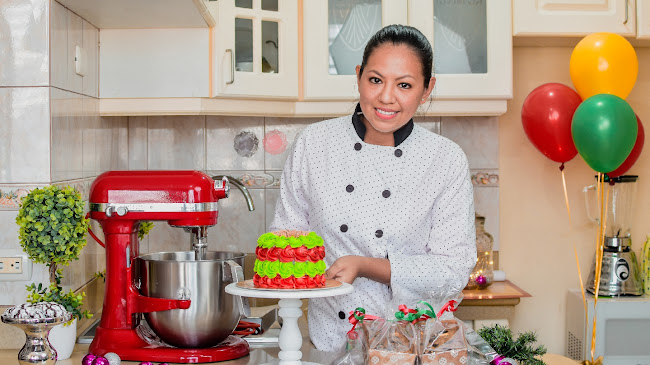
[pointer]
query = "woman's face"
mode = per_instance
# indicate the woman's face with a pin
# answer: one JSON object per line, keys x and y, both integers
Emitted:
{"x": 391, "y": 87}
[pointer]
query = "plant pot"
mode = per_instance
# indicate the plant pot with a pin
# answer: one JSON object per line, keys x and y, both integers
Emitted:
{"x": 62, "y": 338}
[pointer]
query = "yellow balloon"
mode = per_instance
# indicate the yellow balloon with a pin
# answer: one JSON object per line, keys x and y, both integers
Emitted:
{"x": 604, "y": 63}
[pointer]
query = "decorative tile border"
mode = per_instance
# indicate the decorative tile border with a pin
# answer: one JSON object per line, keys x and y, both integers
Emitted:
{"x": 484, "y": 177}
{"x": 12, "y": 194}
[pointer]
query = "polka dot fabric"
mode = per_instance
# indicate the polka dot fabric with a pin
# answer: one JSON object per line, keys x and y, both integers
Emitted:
{"x": 414, "y": 207}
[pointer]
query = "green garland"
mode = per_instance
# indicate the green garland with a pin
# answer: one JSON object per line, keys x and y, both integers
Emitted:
{"x": 521, "y": 349}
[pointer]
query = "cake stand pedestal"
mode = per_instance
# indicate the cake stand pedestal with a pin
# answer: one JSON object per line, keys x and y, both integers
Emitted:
{"x": 290, "y": 340}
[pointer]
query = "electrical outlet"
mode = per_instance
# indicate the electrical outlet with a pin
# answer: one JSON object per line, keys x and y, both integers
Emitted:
{"x": 11, "y": 265}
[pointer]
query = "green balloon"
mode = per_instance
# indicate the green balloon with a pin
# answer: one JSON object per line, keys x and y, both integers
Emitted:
{"x": 604, "y": 131}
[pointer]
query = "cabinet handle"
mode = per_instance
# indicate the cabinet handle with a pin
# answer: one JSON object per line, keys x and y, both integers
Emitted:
{"x": 232, "y": 67}
{"x": 627, "y": 7}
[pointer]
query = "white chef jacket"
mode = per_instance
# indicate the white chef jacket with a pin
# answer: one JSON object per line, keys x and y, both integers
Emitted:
{"x": 412, "y": 204}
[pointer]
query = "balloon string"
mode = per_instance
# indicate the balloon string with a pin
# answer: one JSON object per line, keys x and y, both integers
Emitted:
{"x": 582, "y": 288}
{"x": 566, "y": 195}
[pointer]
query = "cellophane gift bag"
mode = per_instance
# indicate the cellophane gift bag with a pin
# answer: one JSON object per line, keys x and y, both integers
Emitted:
{"x": 391, "y": 342}
{"x": 356, "y": 347}
{"x": 442, "y": 338}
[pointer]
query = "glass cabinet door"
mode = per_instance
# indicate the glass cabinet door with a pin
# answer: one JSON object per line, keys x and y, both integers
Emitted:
{"x": 257, "y": 48}
{"x": 472, "y": 42}
{"x": 334, "y": 43}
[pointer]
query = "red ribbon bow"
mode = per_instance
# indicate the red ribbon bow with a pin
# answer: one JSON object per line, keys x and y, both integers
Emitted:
{"x": 356, "y": 316}
{"x": 449, "y": 307}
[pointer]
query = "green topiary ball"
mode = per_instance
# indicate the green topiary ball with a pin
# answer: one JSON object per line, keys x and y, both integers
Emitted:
{"x": 52, "y": 225}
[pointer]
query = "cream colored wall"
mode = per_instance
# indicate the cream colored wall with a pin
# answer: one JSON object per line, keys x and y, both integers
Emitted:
{"x": 537, "y": 239}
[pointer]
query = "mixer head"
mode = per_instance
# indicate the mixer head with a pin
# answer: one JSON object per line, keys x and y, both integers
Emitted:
{"x": 182, "y": 198}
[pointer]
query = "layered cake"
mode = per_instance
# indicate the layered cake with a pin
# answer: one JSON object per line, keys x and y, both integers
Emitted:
{"x": 289, "y": 259}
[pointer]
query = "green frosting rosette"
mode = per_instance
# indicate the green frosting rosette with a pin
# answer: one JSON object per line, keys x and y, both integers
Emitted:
{"x": 312, "y": 240}
{"x": 268, "y": 268}
{"x": 299, "y": 269}
{"x": 313, "y": 269}
{"x": 294, "y": 242}
{"x": 286, "y": 269}
{"x": 268, "y": 240}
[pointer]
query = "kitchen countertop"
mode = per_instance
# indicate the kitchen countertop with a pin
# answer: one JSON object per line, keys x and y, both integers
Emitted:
{"x": 498, "y": 295}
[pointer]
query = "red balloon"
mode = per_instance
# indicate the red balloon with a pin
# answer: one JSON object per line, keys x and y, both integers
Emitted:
{"x": 546, "y": 115}
{"x": 634, "y": 155}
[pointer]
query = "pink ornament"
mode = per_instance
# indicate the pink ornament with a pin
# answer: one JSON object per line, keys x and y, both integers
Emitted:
{"x": 100, "y": 360}
{"x": 275, "y": 142}
{"x": 481, "y": 280}
{"x": 88, "y": 359}
{"x": 146, "y": 363}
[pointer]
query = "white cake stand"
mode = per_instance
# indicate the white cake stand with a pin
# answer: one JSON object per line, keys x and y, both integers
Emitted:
{"x": 290, "y": 340}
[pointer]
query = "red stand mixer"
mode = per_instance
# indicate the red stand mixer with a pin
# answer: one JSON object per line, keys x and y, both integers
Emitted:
{"x": 119, "y": 201}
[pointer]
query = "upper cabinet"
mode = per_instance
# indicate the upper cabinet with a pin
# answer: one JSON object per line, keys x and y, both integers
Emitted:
{"x": 256, "y": 48}
{"x": 335, "y": 33}
{"x": 472, "y": 47}
{"x": 578, "y": 17}
{"x": 472, "y": 43}
{"x": 129, "y": 14}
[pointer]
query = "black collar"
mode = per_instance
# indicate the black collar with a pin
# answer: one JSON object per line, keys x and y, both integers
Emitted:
{"x": 399, "y": 135}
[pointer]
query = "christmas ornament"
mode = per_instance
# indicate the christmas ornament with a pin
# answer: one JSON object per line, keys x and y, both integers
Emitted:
{"x": 100, "y": 360}
{"x": 88, "y": 359}
{"x": 113, "y": 358}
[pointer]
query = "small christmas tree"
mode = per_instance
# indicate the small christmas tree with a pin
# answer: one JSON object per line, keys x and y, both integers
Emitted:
{"x": 522, "y": 349}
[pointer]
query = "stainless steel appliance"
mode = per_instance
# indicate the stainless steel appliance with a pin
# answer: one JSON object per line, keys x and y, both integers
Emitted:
{"x": 620, "y": 273}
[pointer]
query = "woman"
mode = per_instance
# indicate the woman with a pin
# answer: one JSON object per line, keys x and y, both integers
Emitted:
{"x": 392, "y": 201}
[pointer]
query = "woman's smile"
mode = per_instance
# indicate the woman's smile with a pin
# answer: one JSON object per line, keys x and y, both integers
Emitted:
{"x": 385, "y": 114}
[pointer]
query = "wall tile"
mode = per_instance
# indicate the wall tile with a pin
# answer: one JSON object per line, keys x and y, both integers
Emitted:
{"x": 234, "y": 143}
{"x": 138, "y": 143}
{"x": 486, "y": 203}
{"x": 75, "y": 38}
{"x": 112, "y": 144}
{"x": 90, "y": 83}
{"x": 59, "y": 45}
{"x": 430, "y": 123}
{"x": 279, "y": 136}
{"x": 24, "y": 43}
{"x": 25, "y": 135}
{"x": 165, "y": 238}
{"x": 89, "y": 129}
{"x": 238, "y": 228}
{"x": 477, "y": 136}
{"x": 67, "y": 135}
{"x": 11, "y": 195}
{"x": 176, "y": 143}
{"x": 14, "y": 292}
{"x": 9, "y": 230}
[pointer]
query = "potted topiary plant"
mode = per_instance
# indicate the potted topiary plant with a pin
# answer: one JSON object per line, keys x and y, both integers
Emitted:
{"x": 52, "y": 232}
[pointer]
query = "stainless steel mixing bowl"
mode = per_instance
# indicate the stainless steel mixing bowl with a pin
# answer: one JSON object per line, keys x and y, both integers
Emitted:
{"x": 213, "y": 314}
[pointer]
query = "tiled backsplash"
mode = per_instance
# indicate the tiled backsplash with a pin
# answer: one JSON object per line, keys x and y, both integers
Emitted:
{"x": 253, "y": 149}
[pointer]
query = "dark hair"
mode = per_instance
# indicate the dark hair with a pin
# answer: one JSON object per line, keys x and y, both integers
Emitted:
{"x": 399, "y": 34}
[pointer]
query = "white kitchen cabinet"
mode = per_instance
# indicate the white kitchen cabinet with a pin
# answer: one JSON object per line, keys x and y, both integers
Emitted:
{"x": 472, "y": 43}
{"x": 335, "y": 34}
{"x": 256, "y": 48}
{"x": 575, "y": 17}
{"x": 465, "y": 67}
{"x": 643, "y": 19}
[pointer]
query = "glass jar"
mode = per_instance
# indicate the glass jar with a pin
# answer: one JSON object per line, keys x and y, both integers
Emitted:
{"x": 482, "y": 275}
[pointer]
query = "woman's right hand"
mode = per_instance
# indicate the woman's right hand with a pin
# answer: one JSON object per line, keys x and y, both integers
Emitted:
{"x": 347, "y": 268}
